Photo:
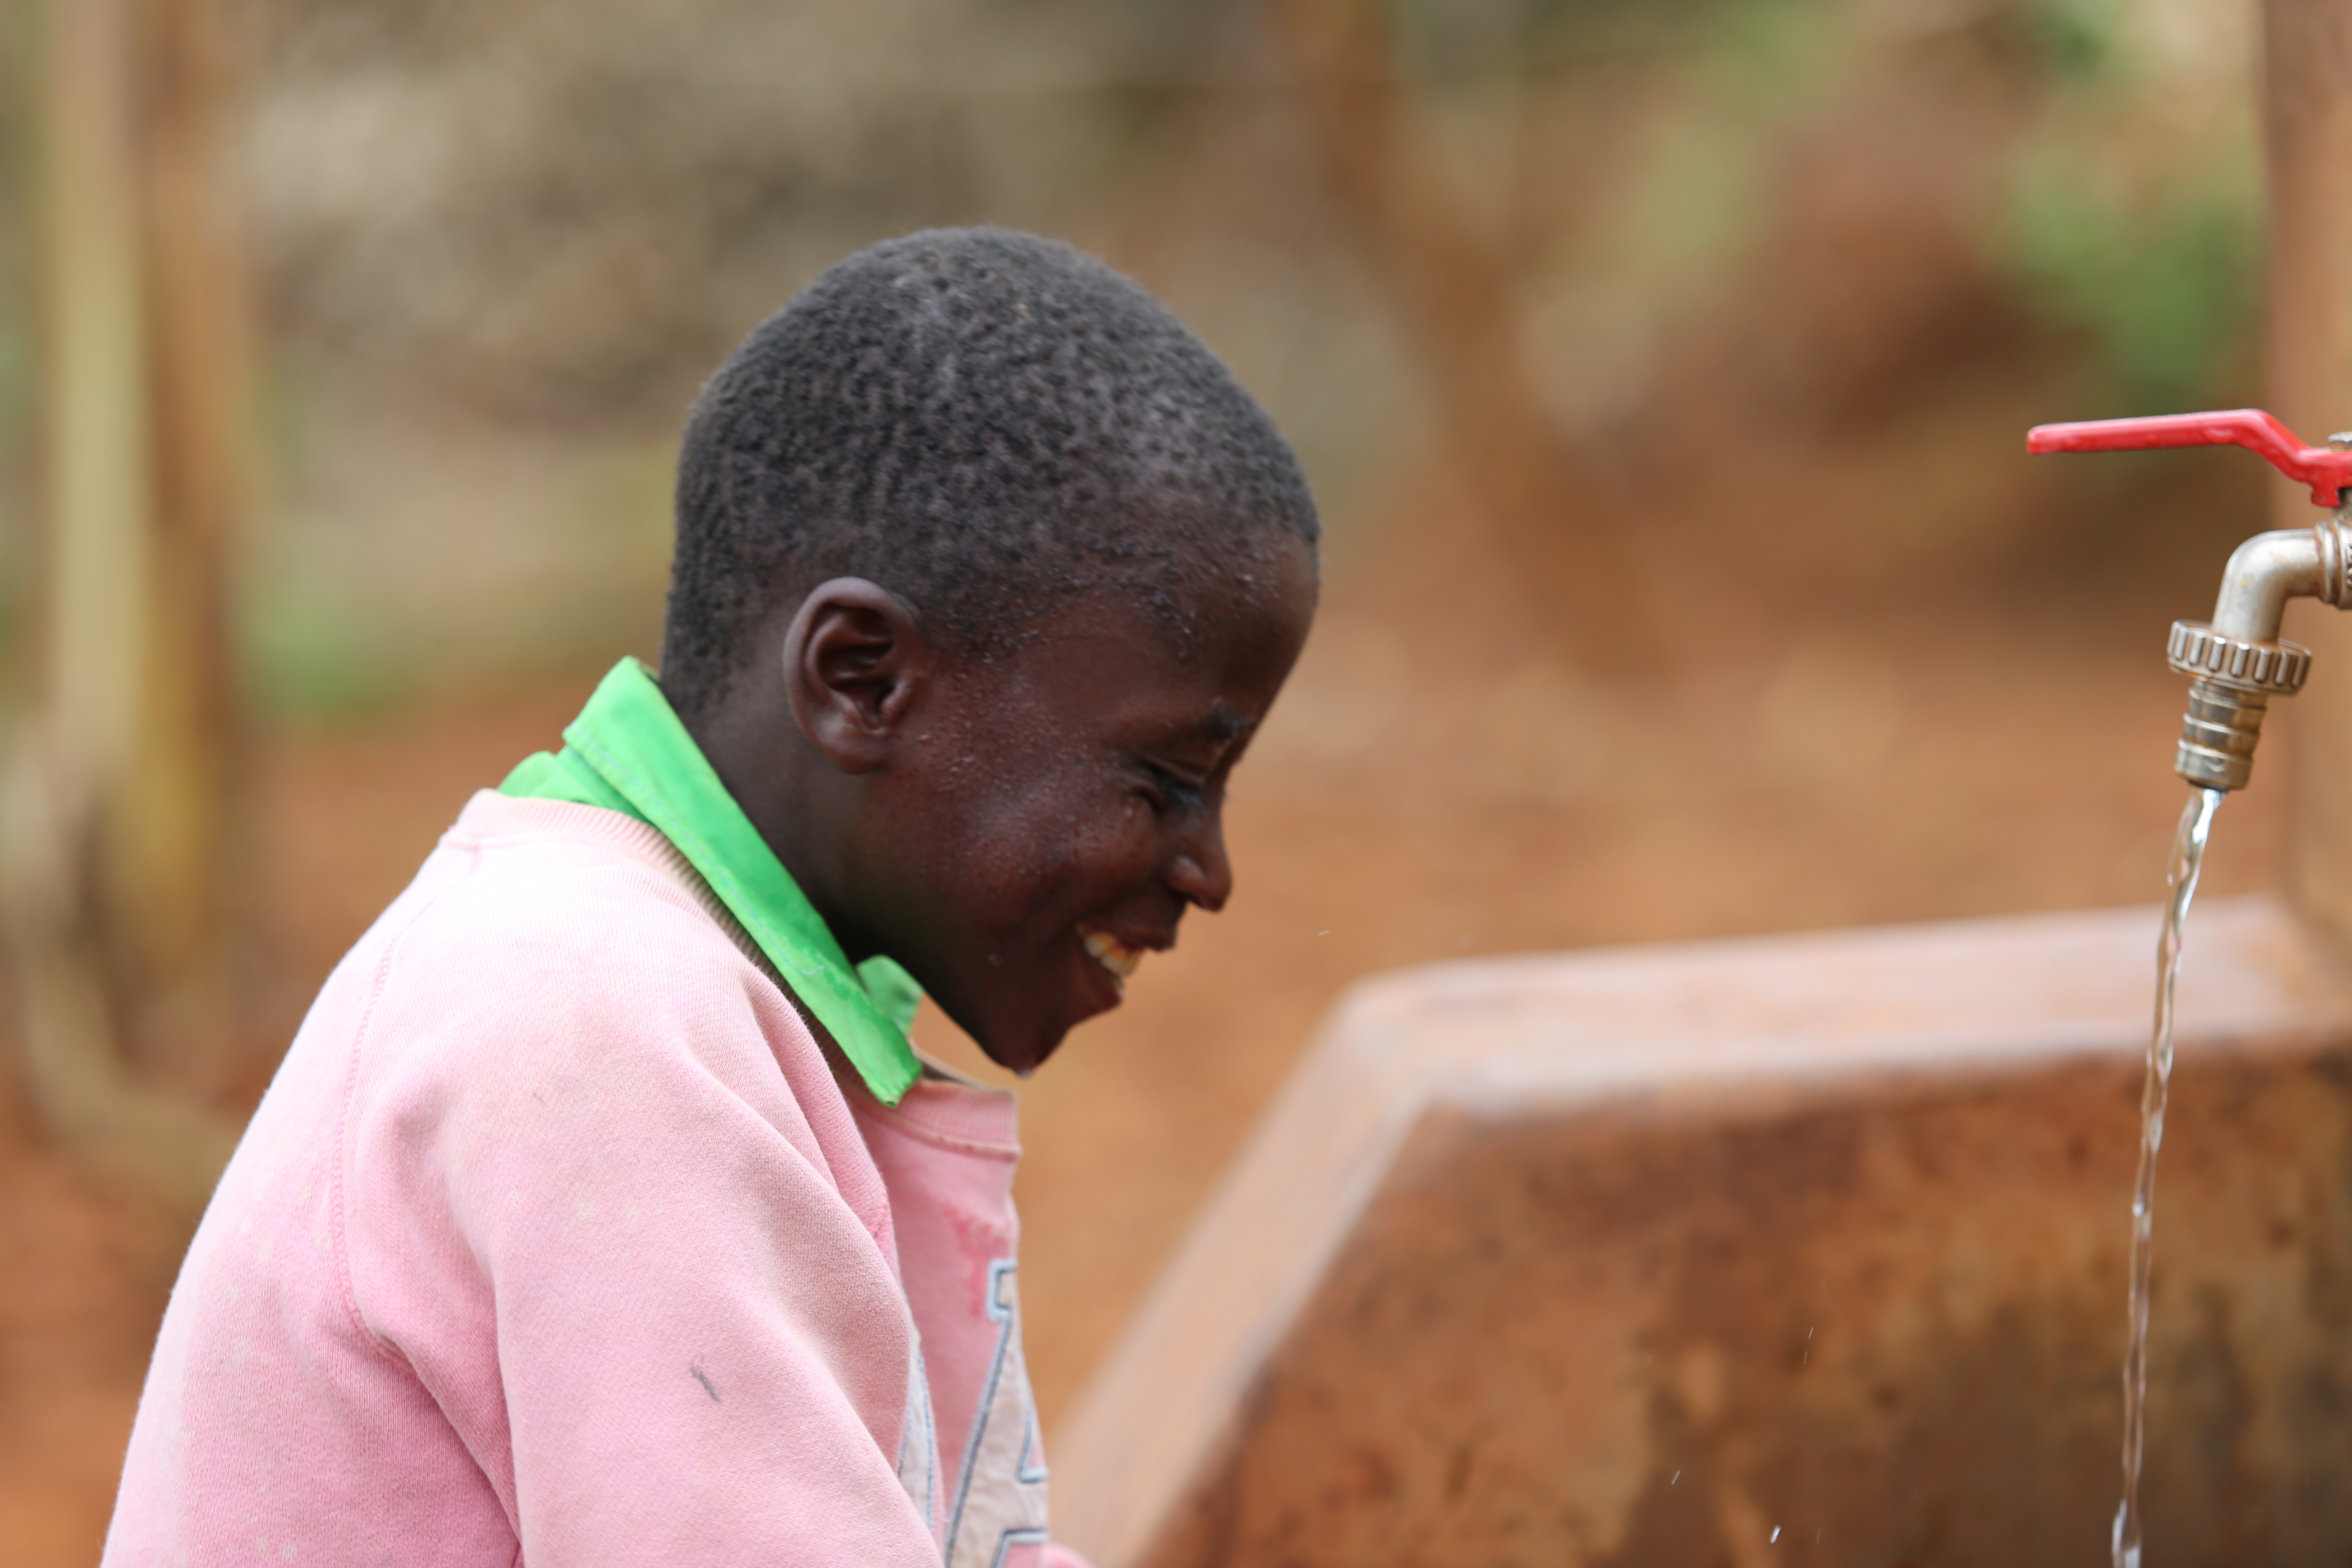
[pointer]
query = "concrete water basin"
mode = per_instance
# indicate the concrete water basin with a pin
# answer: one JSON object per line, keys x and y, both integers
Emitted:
{"x": 1804, "y": 1247}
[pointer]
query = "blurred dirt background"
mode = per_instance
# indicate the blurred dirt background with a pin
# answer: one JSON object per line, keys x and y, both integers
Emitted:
{"x": 1662, "y": 366}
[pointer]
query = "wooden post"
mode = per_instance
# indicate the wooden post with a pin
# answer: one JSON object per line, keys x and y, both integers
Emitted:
{"x": 114, "y": 793}
{"x": 2307, "y": 129}
{"x": 174, "y": 872}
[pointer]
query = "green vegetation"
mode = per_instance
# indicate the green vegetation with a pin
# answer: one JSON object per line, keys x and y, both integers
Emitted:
{"x": 2132, "y": 218}
{"x": 315, "y": 656}
{"x": 2166, "y": 290}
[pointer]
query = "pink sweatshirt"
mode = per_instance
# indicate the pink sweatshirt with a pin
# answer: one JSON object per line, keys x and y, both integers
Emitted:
{"x": 560, "y": 1239}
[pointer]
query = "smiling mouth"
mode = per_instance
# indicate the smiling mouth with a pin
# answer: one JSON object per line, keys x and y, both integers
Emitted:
{"x": 1113, "y": 954}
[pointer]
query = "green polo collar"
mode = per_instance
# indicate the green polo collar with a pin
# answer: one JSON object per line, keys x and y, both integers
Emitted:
{"x": 628, "y": 752}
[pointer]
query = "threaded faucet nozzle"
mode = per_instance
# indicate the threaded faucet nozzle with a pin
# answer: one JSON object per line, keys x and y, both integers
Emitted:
{"x": 2235, "y": 679}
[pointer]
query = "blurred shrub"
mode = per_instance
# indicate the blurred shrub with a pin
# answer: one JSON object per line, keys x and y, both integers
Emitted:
{"x": 313, "y": 653}
{"x": 2168, "y": 291}
{"x": 497, "y": 236}
{"x": 553, "y": 212}
{"x": 2133, "y": 217}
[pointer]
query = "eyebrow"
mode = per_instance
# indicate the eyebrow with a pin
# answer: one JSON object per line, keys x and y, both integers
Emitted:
{"x": 1220, "y": 727}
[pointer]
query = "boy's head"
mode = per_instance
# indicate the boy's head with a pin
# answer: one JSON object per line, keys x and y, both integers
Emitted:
{"x": 986, "y": 571}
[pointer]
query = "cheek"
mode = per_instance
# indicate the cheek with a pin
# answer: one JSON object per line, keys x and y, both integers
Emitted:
{"x": 1116, "y": 846}
{"x": 1084, "y": 857}
{"x": 1049, "y": 854}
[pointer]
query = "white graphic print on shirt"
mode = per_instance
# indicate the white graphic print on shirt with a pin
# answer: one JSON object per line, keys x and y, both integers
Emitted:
{"x": 919, "y": 1445}
{"x": 1000, "y": 1502}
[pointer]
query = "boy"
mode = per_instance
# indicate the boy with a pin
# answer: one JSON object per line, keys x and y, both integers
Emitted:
{"x": 601, "y": 1212}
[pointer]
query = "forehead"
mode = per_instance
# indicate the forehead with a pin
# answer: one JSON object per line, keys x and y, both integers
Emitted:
{"x": 1217, "y": 613}
{"x": 1209, "y": 653}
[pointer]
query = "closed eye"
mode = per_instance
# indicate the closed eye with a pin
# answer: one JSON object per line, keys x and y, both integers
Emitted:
{"x": 1179, "y": 794}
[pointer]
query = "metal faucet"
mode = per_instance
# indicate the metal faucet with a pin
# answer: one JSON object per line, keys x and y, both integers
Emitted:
{"x": 2237, "y": 661}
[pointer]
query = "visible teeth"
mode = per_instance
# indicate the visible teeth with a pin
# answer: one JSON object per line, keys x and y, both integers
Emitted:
{"x": 1110, "y": 952}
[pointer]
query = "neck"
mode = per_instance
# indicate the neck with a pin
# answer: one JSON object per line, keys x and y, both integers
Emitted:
{"x": 794, "y": 798}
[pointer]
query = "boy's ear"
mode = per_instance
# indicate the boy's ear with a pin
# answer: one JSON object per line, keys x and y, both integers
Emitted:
{"x": 855, "y": 659}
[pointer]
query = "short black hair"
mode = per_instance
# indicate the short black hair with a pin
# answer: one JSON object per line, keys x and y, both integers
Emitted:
{"x": 981, "y": 421}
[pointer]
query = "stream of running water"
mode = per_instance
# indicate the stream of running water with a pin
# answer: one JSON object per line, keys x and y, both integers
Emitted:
{"x": 2188, "y": 859}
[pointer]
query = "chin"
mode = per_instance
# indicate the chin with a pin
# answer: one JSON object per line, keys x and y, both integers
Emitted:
{"x": 1031, "y": 1021}
{"x": 1022, "y": 1049}
{"x": 1024, "y": 1056}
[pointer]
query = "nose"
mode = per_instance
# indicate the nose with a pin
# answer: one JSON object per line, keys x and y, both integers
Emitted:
{"x": 1198, "y": 870}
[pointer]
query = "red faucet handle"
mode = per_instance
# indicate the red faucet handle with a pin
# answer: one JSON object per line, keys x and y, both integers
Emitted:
{"x": 2325, "y": 469}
